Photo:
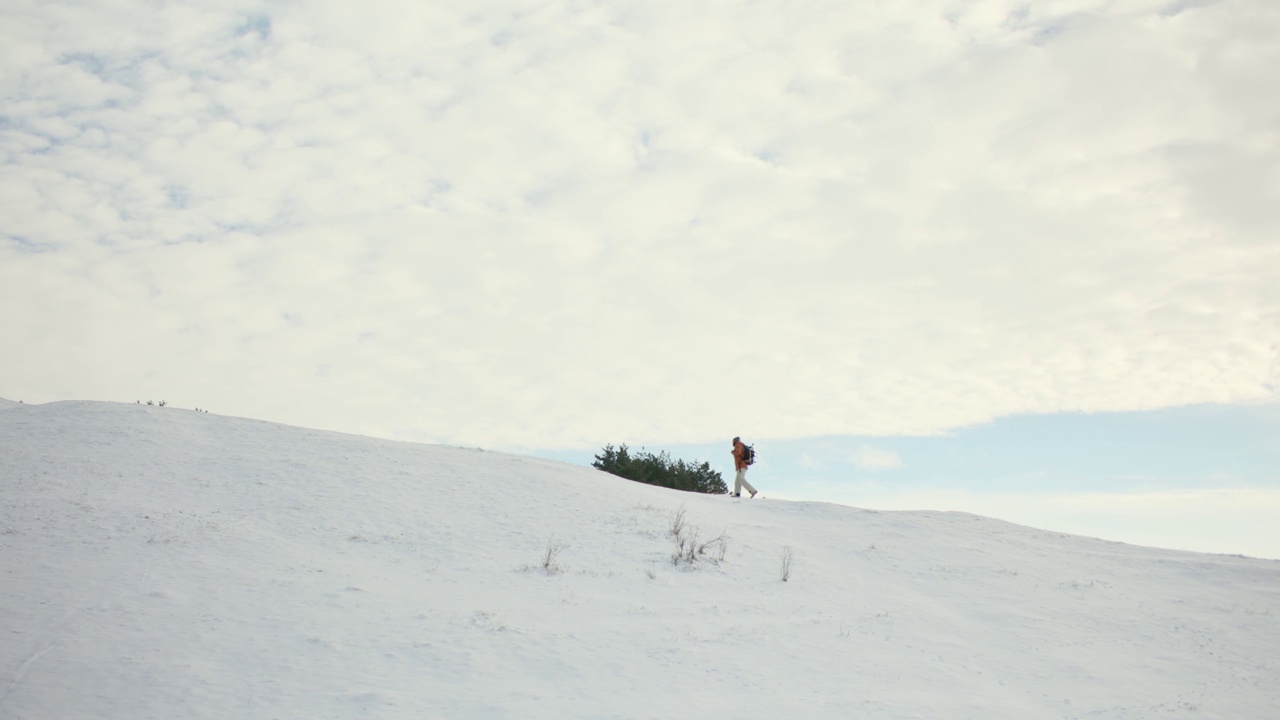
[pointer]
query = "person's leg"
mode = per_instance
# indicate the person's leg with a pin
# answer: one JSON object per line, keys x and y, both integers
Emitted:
{"x": 742, "y": 482}
{"x": 737, "y": 481}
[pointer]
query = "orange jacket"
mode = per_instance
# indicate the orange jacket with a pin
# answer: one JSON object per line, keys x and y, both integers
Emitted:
{"x": 738, "y": 450}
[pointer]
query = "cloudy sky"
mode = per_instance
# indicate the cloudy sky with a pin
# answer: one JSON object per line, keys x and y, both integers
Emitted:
{"x": 552, "y": 225}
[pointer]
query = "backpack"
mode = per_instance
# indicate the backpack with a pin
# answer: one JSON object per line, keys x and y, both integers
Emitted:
{"x": 748, "y": 454}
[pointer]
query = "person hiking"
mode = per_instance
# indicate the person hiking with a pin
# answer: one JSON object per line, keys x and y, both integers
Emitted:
{"x": 740, "y": 464}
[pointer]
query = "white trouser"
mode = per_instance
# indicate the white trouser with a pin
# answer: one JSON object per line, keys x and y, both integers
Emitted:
{"x": 741, "y": 482}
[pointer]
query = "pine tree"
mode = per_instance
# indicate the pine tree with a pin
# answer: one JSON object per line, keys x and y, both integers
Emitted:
{"x": 660, "y": 470}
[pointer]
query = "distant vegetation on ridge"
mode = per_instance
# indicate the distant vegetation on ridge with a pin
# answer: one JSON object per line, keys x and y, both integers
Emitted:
{"x": 660, "y": 470}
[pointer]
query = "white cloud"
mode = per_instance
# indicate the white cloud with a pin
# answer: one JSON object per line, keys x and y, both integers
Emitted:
{"x": 1220, "y": 520}
{"x": 808, "y": 462}
{"x": 873, "y": 459}
{"x": 550, "y": 224}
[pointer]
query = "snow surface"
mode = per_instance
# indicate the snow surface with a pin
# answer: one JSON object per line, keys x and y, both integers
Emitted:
{"x": 163, "y": 563}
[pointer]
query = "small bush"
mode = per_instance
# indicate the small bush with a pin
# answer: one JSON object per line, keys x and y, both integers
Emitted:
{"x": 689, "y": 549}
{"x": 676, "y": 525}
{"x": 715, "y": 548}
{"x": 786, "y": 557}
{"x": 660, "y": 470}
{"x": 554, "y": 548}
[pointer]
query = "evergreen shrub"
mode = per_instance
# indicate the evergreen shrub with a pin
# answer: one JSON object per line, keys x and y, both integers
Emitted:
{"x": 660, "y": 470}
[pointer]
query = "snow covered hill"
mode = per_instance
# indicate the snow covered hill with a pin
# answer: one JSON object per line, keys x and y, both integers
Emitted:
{"x": 163, "y": 563}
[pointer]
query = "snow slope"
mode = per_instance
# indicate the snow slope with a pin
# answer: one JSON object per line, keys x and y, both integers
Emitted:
{"x": 162, "y": 563}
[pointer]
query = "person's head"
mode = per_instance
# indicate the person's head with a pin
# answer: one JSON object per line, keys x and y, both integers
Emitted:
{"x": 737, "y": 440}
